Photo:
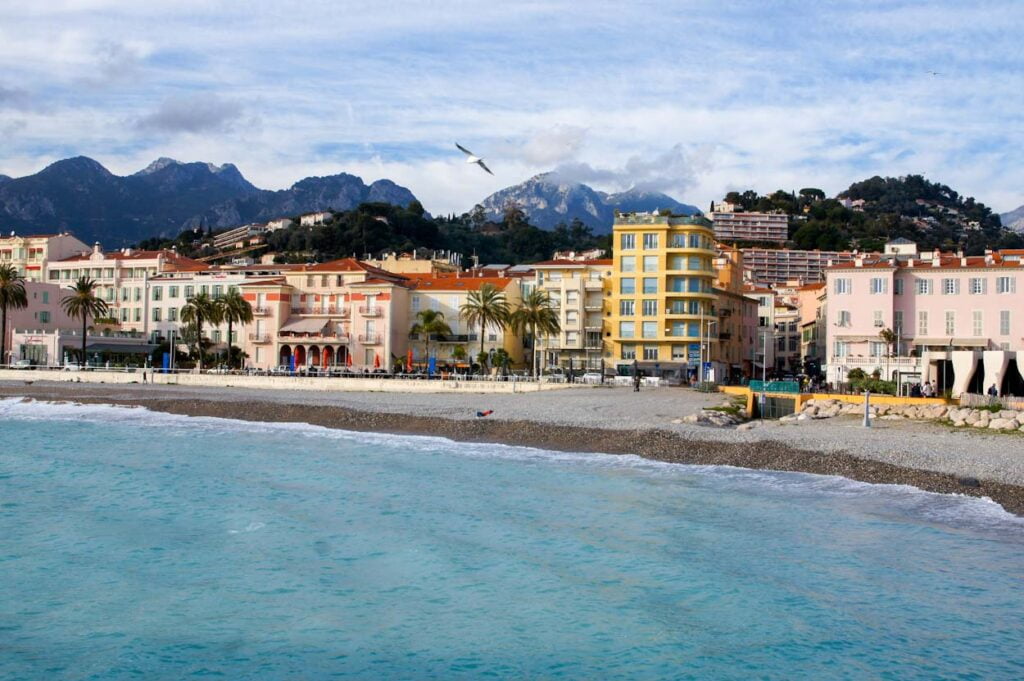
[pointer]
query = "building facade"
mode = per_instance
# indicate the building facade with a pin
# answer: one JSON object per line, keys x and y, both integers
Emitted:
{"x": 43, "y": 314}
{"x": 735, "y": 226}
{"x": 948, "y": 313}
{"x": 30, "y": 255}
{"x": 577, "y": 290}
{"x": 662, "y": 301}
{"x": 123, "y": 278}
{"x": 342, "y": 313}
{"x": 768, "y": 266}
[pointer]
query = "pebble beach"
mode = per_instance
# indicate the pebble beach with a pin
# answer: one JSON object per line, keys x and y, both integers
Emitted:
{"x": 651, "y": 424}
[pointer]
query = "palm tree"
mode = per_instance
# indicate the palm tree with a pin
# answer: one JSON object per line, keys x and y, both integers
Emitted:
{"x": 12, "y": 296}
{"x": 234, "y": 309}
{"x": 197, "y": 311}
{"x": 429, "y": 323}
{"x": 83, "y": 302}
{"x": 485, "y": 306}
{"x": 536, "y": 317}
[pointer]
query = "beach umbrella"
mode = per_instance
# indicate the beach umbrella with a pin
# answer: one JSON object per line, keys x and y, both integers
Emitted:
{"x": 348, "y": 359}
{"x": 408, "y": 360}
{"x": 376, "y": 361}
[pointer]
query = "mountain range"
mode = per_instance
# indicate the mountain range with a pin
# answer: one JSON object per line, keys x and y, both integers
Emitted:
{"x": 1014, "y": 219}
{"x": 81, "y": 196}
{"x": 548, "y": 200}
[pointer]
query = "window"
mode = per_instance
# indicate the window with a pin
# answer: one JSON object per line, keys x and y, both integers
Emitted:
{"x": 1006, "y": 284}
{"x": 415, "y": 304}
{"x": 696, "y": 241}
{"x": 976, "y": 323}
{"x": 124, "y": 314}
{"x": 897, "y": 287}
{"x": 843, "y": 286}
{"x": 571, "y": 298}
{"x": 650, "y": 352}
{"x": 156, "y": 314}
{"x": 923, "y": 287}
{"x": 172, "y": 291}
{"x": 627, "y": 285}
{"x": 627, "y": 308}
{"x": 158, "y": 293}
{"x": 678, "y": 352}
{"x": 44, "y": 317}
{"x": 841, "y": 349}
{"x": 950, "y": 287}
{"x": 138, "y": 294}
{"x": 793, "y": 343}
{"x": 572, "y": 337}
{"x": 111, "y": 294}
{"x": 172, "y": 314}
{"x": 138, "y": 314}
{"x": 650, "y": 241}
{"x": 693, "y": 329}
{"x": 46, "y": 297}
{"x": 876, "y": 349}
{"x": 695, "y": 263}
{"x": 215, "y": 336}
{"x": 190, "y": 291}
{"x": 627, "y": 329}
{"x": 843, "y": 318}
{"x": 649, "y": 329}
{"x": 650, "y": 284}
{"x": 879, "y": 286}
{"x": 572, "y": 317}
{"x": 1004, "y": 322}
{"x": 878, "y": 318}
{"x": 218, "y": 291}
{"x": 650, "y": 308}
{"x": 922, "y": 322}
{"x": 627, "y": 263}
{"x": 650, "y": 263}
{"x": 628, "y": 351}
{"x": 897, "y": 321}
{"x": 627, "y": 242}
{"x": 678, "y": 329}
{"x": 950, "y": 322}
{"x": 977, "y": 286}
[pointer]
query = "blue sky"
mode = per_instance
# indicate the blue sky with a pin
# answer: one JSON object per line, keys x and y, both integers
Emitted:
{"x": 689, "y": 97}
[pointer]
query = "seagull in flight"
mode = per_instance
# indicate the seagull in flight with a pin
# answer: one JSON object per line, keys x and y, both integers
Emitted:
{"x": 473, "y": 158}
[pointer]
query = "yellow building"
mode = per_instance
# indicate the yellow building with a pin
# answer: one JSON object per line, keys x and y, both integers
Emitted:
{"x": 662, "y": 303}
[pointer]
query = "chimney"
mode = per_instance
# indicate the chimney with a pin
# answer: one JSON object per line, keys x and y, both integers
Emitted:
{"x": 936, "y": 262}
{"x": 96, "y": 247}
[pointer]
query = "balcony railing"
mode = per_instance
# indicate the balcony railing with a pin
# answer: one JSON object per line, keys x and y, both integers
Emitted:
{"x": 260, "y": 311}
{"x": 371, "y": 310}
{"x": 259, "y": 338}
{"x": 593, "y": 285}
{"x": 369, "y": 339}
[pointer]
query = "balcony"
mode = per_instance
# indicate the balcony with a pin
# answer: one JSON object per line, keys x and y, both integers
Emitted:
{"x": 371, "y": 311}
{"x": 593, "y": 285}
{"x": 259, "y": 338}
{"x": 260, "y": 311}
{"x": 593, "y": 306}
{"x": 370, "y": 339}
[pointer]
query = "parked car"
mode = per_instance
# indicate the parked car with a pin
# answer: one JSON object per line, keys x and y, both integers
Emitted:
{"x": 22, "y": 364}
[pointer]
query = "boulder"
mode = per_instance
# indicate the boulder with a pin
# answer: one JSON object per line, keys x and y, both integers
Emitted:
{"x": 959, "y": 423}
{"x": 1008, "y": 414}
{"x": 1000, "y": 424}
{"x": 691, "y": 418}
{"x": 749, "y": 425}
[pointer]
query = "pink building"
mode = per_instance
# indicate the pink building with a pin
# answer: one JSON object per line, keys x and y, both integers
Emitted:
{"x": 43, "y": 314}
{"x": 958, "y": 320}
{"x": 342, "y": 313}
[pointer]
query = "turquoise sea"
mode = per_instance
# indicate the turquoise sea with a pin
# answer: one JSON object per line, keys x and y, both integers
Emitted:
{"x": 137, "y": 545}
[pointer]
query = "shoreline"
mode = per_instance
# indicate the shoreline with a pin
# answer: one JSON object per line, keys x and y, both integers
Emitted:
{"x": 650, "y": 443}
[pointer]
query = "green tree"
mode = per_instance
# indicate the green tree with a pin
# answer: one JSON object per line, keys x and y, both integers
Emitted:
{"x": 198, "y": 310}
{"x": 429, "y": 323}
{"x": 486, "y": 306}
{"x": 535, "y": 316}
{"x": 84, "y": 303}
{"x": 12, "y": 296}
{"x": 234, "y": 309}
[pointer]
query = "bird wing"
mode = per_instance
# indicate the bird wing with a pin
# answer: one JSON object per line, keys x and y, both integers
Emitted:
{"x": 484, "y": 166}
{"x": 464, "y": 150}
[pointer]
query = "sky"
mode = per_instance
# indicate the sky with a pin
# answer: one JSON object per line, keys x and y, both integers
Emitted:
{"x": 691, "y": 97}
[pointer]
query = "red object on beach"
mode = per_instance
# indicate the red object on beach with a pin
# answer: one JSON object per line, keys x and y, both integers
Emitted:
{"x": 481, "y": 414}
{"x": 376, "y": 361}
{"x": 348, "y": 359}
{"x": 408, "y": 360}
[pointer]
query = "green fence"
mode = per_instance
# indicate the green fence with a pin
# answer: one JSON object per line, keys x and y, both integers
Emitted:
{"x": 775, "y": 387}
